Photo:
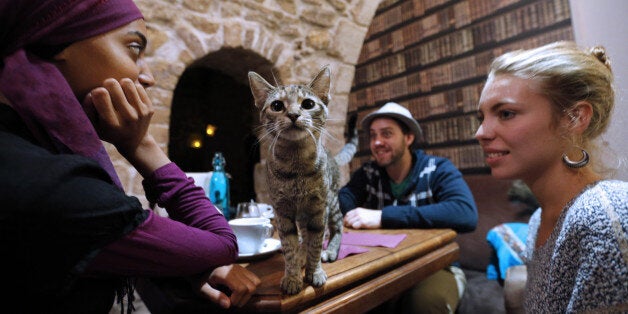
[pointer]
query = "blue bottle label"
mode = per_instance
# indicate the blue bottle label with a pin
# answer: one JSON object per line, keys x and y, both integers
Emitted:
{"x": 218, "y": 192}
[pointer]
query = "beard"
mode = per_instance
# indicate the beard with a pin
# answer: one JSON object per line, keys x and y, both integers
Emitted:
{"x": 393, "y": 158}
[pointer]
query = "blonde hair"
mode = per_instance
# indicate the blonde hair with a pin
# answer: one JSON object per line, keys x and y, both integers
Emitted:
{"x": 566, "y": 74}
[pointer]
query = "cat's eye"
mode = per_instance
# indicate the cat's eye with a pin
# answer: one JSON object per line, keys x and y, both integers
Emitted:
{"x": 276, "y": 105}
{"x": 307, "y": 104}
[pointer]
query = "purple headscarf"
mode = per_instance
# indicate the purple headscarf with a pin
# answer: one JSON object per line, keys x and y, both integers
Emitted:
{"x": 38, "y": 92}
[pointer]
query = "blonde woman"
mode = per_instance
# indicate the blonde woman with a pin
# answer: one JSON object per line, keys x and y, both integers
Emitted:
{"x": 541, "y": 112}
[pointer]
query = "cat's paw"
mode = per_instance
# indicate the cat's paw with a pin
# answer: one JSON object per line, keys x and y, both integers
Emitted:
{"x": 328, "y": 256}
{"x": 291, "y": 285}
{"x": 316, "y": 279}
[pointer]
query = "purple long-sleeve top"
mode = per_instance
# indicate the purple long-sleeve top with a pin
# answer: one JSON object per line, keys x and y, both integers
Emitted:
{"x": 194, "y": 239}
{"x": 65, "y": 210}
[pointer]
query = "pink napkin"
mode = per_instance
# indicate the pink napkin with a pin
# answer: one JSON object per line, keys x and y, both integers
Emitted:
{"x": 347, "y": 249}
{"x": 369, "y": 239}
{"x": 353, "y": 243}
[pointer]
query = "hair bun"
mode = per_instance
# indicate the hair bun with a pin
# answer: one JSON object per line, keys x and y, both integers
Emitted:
{"x": 599, "y": 52}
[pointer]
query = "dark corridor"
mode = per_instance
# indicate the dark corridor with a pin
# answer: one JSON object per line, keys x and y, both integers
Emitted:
{"x": 205, "y": 97}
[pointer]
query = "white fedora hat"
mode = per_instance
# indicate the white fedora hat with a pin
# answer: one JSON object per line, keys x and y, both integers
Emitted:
{"x": 398, "y": 112}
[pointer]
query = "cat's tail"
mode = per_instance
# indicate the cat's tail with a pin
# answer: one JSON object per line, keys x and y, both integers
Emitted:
{"x": 351, "y": 147}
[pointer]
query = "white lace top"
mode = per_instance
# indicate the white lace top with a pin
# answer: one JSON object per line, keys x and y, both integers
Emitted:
{"x": 583, "y": 266}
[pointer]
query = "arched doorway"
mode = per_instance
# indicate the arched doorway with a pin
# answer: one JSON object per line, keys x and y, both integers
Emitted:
{"x": 214, "y": 91}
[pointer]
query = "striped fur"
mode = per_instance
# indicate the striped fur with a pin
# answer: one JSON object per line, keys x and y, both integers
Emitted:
{"x": 302, "y": 176}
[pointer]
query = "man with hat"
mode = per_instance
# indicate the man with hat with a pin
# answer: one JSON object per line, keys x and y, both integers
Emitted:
{"x": 402, "y": 187}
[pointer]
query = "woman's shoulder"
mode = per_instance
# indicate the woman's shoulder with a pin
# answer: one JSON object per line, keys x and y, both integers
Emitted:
{"x": 18, "y": 152}
{"x": 599, "y": 209}
{"x": 28, "y": 167}
{"x": 13, "y": 145}
{"x": 604, "y": 196}
{"x": 614, "y": 189}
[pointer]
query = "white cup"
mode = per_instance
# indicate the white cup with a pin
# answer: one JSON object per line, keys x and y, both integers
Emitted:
{"x": 251, "y": 233}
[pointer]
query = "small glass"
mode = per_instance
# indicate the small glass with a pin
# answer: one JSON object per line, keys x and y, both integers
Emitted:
{"x": 247, "y": 210}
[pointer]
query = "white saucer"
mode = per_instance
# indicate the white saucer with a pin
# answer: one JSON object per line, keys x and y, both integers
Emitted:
{"x": 270, "y": 246}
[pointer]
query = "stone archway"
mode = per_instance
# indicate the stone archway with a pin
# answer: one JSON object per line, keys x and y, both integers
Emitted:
{"x": 295, "y": 37}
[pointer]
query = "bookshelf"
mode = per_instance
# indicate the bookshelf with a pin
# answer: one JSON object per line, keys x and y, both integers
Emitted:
{"x": 432, "y": 57}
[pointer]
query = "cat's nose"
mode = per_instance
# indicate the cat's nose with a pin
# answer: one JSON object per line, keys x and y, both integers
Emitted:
{"x": 293, "y": 116}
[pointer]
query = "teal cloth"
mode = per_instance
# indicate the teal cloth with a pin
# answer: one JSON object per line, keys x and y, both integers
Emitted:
{"x": 508, "y": 243}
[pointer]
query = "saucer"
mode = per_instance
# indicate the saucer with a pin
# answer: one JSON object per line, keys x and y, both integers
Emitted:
{"x": 270, "y": 246}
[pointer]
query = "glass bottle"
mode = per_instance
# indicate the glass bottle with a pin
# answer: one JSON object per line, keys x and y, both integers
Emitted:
{"x": 219, "y": 185}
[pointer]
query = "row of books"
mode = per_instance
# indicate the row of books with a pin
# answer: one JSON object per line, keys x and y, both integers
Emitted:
{"x": 457, "y": 14}
{"x": 446, "y": 130}
{"x": 530, "y": 17}
{"x": 463, "y": 157}
{"x": 460, "y": 128}
{"x": 448, "y": 46}
{"x": 432, "y": 57}
{"x": 420, "y": 82}
{"x": 459, "y": 100}
{"x": 404, "y": 11}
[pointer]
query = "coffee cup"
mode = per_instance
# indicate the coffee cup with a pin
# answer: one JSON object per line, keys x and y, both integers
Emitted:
{"x": 251, "y": 233}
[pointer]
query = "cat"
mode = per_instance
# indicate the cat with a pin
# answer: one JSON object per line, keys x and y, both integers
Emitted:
{"x": 302, "y": 176}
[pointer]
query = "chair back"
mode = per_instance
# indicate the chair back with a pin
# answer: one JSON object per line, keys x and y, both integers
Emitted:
{"x": 201, "y": 179}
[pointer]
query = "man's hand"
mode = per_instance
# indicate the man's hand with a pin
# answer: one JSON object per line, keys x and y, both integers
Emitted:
{"x": 362, "y": 218}
{"x": 237, "y": 279}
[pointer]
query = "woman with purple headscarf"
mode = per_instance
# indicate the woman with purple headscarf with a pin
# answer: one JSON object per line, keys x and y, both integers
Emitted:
{"x": 72, "y": 73}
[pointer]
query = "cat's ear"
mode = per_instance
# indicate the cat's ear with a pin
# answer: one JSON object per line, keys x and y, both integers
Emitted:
{"x": 321, "y": 84}
{"x": 260, "y": 88}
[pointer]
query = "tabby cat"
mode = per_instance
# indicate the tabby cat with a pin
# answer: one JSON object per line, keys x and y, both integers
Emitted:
{"x": 302, "y": 175}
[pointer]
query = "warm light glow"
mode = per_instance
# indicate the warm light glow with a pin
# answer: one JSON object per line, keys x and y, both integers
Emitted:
{"x": 195, "y": 141}
{"x": 210, "y": 130}
{"x": 196, "y": 144}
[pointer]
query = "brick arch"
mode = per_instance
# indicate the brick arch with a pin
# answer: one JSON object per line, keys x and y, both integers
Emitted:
{"x": 296, "y": 38}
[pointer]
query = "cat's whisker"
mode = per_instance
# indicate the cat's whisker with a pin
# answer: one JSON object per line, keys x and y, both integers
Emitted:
{"x": 264, "y": 135}
{"x": 328, "y": 135}
{"x": 313, "y": 137}
{"x": 270, "y": 146}
{"x": 274, "y": 144}
{"x": 271, "y": 129}
{"x": 259, "y": 128}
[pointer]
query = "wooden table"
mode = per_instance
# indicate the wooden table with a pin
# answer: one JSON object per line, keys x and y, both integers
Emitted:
{"x": 355, "y": 284}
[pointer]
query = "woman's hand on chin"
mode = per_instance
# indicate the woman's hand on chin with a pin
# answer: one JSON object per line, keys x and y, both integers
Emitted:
{"x": 123, "y": 113}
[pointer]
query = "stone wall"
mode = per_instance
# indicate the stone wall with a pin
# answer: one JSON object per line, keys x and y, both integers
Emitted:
{"x": 297, "y": 36}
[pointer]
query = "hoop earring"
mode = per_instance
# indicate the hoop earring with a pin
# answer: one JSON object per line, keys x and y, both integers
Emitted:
{"x": 577, "y": 164}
